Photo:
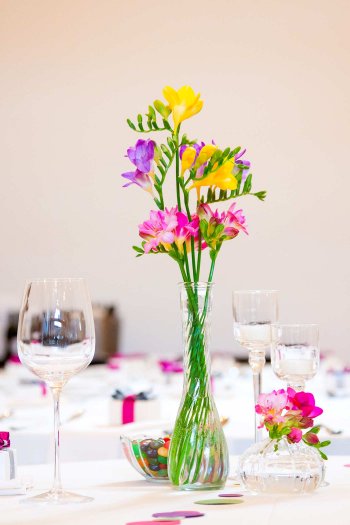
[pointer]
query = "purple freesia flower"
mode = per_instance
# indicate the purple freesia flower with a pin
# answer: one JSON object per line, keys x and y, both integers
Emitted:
{"x": 143, "y": 180}
{"x": 142, "y": 155}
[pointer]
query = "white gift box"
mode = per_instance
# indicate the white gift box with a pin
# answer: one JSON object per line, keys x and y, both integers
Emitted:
{"x": 8, "y": 464}
{"x": 143, "y": 410}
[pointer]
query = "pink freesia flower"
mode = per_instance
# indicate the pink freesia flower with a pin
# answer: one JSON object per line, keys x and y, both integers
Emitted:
{"x": 233, "y": 221}
{"x": 167, "y": 227}
{"x": 305, "y": 402}
{"x": 271, "y": 406}
{"x": 295, "y": 435}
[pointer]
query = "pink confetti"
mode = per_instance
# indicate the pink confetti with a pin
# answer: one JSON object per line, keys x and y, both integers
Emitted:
{"x": 178, "y": 514}
{"x": 173, "y": 522}
{"x": 347, "y": 465}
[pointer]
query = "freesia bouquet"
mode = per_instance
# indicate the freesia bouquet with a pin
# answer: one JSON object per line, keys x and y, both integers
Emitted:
{"x": 207, "y": 172}
{"x": 287, "y": 414}
{"x": 205, "y": 175}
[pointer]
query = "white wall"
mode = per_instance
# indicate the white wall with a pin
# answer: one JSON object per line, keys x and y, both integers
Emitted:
{"x": 275, "y": 77}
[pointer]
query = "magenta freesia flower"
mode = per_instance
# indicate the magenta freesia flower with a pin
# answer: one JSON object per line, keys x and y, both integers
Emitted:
{"x": 305, "y": 402}
{"x": 295, "y": 435}
{"x": 142, "y": 155}
{"x": 165, "y": 228}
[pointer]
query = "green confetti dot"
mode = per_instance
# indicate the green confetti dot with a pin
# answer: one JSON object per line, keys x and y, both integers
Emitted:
{"x": 221, "y": 501}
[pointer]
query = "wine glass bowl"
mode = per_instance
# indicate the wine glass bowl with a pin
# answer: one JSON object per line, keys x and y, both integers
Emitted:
{"x": 56, "y": 340}
{"x": 296, "y": 356}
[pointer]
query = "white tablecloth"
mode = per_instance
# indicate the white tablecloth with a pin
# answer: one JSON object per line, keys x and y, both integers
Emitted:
{"x": 92, "y": 437}
{"x": 122, "y": 496}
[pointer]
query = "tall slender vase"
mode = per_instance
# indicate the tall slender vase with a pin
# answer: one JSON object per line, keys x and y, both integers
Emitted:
{"x": 198, "y": 457}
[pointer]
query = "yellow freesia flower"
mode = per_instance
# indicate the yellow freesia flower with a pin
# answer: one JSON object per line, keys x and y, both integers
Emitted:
{"x": 222, "y": 178}
{"x": 204, "y": 155}
{"x": 184, "y": 103}
{"x": 187, "y": 160}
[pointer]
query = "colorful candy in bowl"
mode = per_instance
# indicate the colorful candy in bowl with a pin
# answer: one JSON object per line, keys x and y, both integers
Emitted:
{"x": 148, "y": 455}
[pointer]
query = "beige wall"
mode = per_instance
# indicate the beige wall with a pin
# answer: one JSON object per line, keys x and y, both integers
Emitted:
{"x": 275, "y": 77}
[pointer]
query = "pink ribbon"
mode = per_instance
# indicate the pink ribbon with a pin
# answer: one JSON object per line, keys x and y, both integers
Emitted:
{"x": 4, "y": 440}
{"x": 128, "y": 409}
{"x": 170, "y": 367}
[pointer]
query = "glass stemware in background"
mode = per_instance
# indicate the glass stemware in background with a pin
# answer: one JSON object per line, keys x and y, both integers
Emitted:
{"x": 56, "y": 340}
{"x": 296, "y": 356}
{"x": 254, "y": 313}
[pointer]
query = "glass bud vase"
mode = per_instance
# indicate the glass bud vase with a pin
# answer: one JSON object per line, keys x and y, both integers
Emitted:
{"x": 198, "y": 457}
{"x": 281, "y": 467}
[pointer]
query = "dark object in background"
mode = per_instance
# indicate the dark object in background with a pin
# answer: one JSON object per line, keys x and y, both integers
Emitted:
{"x": 107, "y": 329}
{"x": 10, "y": 343}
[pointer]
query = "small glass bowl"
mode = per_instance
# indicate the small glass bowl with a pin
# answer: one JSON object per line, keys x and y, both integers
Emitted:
{"x": 148, "y": 453}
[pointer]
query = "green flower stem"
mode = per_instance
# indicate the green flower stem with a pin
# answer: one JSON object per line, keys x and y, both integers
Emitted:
{"x": 177, "y": 169}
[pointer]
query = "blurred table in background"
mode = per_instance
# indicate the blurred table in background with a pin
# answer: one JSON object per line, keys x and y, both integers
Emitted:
{"x": 86, "y": 403}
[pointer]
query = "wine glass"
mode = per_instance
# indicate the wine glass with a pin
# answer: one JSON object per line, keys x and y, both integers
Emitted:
{"x": 56, "y": 340}
{"x": 254, "y": 313}
{"x": 295, "y": 356}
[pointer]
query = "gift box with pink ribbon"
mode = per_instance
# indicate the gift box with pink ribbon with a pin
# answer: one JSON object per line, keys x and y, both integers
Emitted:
{"x": 126, "y": 407}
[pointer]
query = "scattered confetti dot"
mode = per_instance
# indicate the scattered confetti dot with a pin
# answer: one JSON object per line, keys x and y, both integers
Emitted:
{"x": 221, "y": 501}
{"x": 178, "y": 514}
{"x": 177, "y": 522}
{"x": 230, "y": 495}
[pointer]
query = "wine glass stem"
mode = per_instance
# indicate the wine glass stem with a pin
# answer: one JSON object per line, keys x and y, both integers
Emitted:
{"x": 257, "y": 362}
{"x": 298, "y": 386}
{"x": 257, "y": 392}
{"x": 56, "y": 392}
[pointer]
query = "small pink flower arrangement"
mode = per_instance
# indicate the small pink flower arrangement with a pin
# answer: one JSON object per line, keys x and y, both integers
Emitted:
{"x": 287, "y": 414}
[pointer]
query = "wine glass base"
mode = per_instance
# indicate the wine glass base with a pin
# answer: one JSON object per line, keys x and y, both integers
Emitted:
{"x": 57, "y": 497}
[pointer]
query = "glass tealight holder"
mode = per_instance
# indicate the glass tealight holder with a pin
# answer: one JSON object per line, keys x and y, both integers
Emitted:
{"x": 295, "y": 355}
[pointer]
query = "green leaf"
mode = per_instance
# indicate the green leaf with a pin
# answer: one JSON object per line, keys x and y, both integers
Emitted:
{"x": 226, "y": 152}
{"x": 151, "y": 113}
{"x": 155, "y": 125}
{"x": 323, "y": 455}
{"x": 239, "y": 180}
{"x": 171, "y": 144}
{"x": 324, "y": 443}
{"x": 236, "y": 150}
{"x": 261, "y": 195}
{"x": 161, "y": 108}
{"x": 219, "y": 229}
{"x": 167, "y": 125}
{"x": 203, "y": 227}
{"x": 315, "y": 430}
{"x": 137, "y": 249}
{"x": 248, "y": 184}
{"x": 130, "y": 124}
{"x": 139, "y": 120}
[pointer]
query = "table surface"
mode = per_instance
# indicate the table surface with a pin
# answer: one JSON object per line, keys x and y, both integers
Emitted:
{"x": 121, "y": 496}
